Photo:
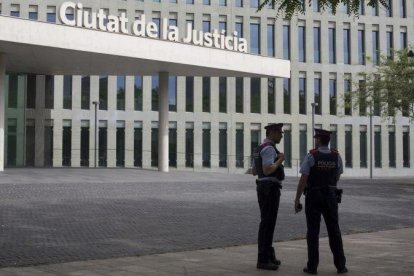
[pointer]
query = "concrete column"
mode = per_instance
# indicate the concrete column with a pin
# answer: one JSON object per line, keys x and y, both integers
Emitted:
{"x": 163, "y": 123}
{"x": 2, "y": 107}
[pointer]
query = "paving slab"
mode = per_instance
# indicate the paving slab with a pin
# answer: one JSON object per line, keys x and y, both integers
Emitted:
{"x": 378, "y": 253}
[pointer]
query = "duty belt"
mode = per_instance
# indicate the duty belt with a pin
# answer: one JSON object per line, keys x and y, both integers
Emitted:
{"x": 273, "y": 180}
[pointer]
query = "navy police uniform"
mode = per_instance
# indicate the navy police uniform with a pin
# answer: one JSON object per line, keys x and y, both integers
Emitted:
{"x": 268, "y": 195}
{"x": 323, "y": 166}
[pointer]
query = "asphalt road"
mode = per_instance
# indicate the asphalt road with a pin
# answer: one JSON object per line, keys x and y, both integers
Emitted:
{"x": 61, "y": 215}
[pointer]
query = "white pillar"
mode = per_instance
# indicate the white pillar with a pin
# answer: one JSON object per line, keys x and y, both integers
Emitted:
{"x": 2, "y": 107}
{"x": 163, "y": 123}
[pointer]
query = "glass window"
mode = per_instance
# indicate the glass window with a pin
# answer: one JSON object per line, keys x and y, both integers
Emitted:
{"x": 362, "y": 96}
{"x": 172, "y": 148}
{"x": 390, "y": 45}
{"x": 271, "y": 96}
{"x": 206, "y": 94}
{"x": 154, "y": 144}
{"x": 189, "y": 145}
{"x": 172, "y": 22}
{"x": 154, "y": 92}
{"x": 206, "y": 2}
{"x": 377, "y": 147}
{"x": 271, "y": 40}
{"x": 206, "y": 145}
{"x": 302, "y": 43}
{"x": 51, "y": 15}
{"x": 388, "y": 11}
{"x": 286, "y": 42}
{"x": 375, "y": 10}
{"x": 33, "y": 15}
{"x": 348, "y": 146}
{"x": 316, "y": 44}
{"x": 189, "y": 2}
{"x": 317, "y": 88}
{"x": 157, "y": 22}
{"x": 334, "y": 137}
{"x": 138, "y": 144}
{"x": 11, "y": 142}
{"x": 85, "y": 92}
{"x": 120, "y": 144}
{"x": 238, "y": 3}
{"x": 239, "y": 95}
{"x": 363, "y": 149}
{"x": 375, "y": 48}
{"x": 406, "y": 147}
{"x": 120, "y": 93}
{"x": 403, "y": 5}
{"x": 103, "y": 92}
{"x": 348, "y": 99}
{"x": 189, "y": 94}
{"x": 49, "y": 91}
{"x": 103, "y": 143}
{"x": 287, "y": 138}
{"x": 255, "y": 95}
{"x": 254, "y": 139}
{"x": 223, "y": 3}
{"x": 223, "y": 26}
{"x": 316, "y": 7}
{"x": 172, "y": 93}
{"x": 31, "y": 91}
{"x": 48, "y": 143}
{"x": 286, "y": 96}
{"x": 302, "y": 95}
{"x": 403, "y": 40}
{"x": 67, "y": 145}
{"x": 332, "y": 96}
{"x": 361, "y": 10}
{"x": 67, "y": 92}
{"x": 223, "y": 94}
{"x": 206, "y": 26}
{"x": 391, "y": 147}
{"x": 223, "y": 145}
{"x": 138, "y": 93}
{"x": 332, "y": 45}
{"x": 254, "y": 3}
{"x": 347, "y": 46}
{"x": 239, "y": 29}
{"x": 239, "y": 145}
{"x": 30, "y": 143}
{"x": 13, "y": 84}
{"x": 361, "y": 47}
{"x": 303, "y": 144}
{"x": 254, "y": 38}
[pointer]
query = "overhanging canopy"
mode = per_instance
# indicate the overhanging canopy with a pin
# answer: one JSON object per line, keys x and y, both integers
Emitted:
{"x": 45, "y": 48}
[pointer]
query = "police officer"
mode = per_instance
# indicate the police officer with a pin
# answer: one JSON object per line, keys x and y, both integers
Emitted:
{"x": 321, "y": 171}
{"x": 267, "y": 164}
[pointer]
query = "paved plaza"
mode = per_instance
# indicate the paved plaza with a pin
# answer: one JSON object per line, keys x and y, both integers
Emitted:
{"x": 118, "y": 217}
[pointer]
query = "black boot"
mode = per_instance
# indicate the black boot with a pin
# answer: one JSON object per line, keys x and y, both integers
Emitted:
{"x": 267, "y": 266}
{"x": 273, "y": 257}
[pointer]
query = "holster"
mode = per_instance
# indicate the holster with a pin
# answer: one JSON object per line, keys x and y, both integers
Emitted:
{"x": 338, "y": 193}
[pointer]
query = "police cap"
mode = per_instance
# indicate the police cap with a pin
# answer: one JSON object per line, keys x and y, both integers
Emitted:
{"x": 277, "y": 127}
{"x": 321, "y": 133}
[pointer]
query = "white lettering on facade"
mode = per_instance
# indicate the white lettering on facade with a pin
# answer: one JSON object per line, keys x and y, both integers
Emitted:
{"x": 119, "y": 24}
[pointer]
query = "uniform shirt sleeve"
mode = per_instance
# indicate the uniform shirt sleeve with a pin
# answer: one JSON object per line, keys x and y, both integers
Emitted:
{"x": 340, "y": 165}
{"x": 308, "y": 162}
{"x": 268, "y": 155}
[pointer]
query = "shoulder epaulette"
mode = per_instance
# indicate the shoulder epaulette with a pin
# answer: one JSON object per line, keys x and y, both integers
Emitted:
{"x": 333, "y": 150}
{"x": 314, "y": 151}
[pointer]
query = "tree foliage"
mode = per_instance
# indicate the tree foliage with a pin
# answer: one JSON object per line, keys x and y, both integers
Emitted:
{"x": 389, "y": 87}
{"x": 292, "y": 7}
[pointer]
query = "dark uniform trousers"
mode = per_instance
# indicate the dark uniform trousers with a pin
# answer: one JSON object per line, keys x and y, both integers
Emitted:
{"x": 268, "y": 195}
{"x": 323, "y": 202}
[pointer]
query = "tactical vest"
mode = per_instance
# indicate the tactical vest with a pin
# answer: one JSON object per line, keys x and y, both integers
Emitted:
{"x": 279, "y": 173}
{"x": 324, "y": 172}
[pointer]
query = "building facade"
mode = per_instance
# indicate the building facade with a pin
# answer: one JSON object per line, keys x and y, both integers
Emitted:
{"x": 215, "y": 122}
